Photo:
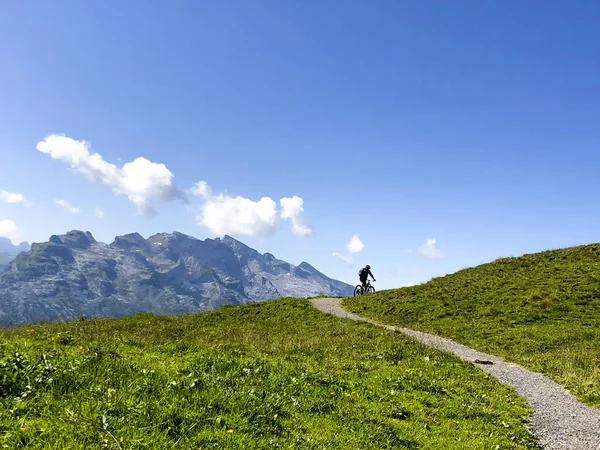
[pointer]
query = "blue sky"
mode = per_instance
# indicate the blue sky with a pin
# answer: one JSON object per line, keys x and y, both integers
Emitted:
{"x": 474, "y": 124}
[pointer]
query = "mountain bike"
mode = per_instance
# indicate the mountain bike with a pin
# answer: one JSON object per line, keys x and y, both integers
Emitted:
{"x": 358, "y": 290}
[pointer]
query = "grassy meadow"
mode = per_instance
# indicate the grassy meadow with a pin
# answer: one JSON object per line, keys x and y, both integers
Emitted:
{"x": 277, "y": 374}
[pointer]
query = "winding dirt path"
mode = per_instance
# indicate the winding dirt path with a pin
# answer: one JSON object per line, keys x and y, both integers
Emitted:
{"x": 559, "y": 420}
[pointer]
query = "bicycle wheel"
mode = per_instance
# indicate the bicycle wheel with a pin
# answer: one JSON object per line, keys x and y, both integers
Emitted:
{"x": 370, "y": 290}
{"x": 358, "y": 290}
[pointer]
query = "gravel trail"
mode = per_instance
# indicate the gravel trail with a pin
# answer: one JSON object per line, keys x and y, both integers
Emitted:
{"x": 559, "y": 421}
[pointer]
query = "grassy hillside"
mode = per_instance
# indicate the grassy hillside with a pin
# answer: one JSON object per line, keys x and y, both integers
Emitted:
{"x": 541, "y": 310}
{"x": 270, "y": 375}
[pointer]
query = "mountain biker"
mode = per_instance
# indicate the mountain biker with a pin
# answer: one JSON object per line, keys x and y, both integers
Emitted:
{"x": 363, "y": 275}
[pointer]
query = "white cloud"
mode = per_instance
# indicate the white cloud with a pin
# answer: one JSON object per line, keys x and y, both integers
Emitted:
{"x": 344, "y": 258}
{"x": 301, "y": 229}
{"x": 223, "y": 214}
{"x": 14, "y": 198}
{"x": 201, "y": 189}
{"x": 140, "y": 180}
{"x": 98, "y": 213}
{"x": 430, "y": 249}
{"x": 293, "y": 207}
{"x": 355, "y": 245}
{"x": 235, "y": 215}
{"x": 65, "y": 204}
{"x": 409, "y": 251}
{"x": 9, "y": 229}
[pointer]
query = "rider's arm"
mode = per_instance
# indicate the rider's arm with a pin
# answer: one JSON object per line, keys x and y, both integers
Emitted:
{"x": 371, "y": 273}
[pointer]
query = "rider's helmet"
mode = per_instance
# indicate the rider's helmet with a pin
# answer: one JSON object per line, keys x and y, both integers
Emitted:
{"x": 368, "y": 266}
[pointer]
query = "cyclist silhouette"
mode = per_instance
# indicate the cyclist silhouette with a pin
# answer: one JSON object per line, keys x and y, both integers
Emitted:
{"x": 363, "y": 275}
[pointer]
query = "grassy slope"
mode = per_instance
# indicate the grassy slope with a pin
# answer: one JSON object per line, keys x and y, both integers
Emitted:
{"x": 270, "y": 375}
{"x": 541, "y": 310}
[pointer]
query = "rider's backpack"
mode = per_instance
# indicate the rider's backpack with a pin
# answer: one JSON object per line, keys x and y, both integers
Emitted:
{"x": 361, "y": 273}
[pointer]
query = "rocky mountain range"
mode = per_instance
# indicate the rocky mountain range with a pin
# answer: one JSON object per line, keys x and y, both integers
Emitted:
{"x": 8, "y": 251}
{"x": 73, "y": 275}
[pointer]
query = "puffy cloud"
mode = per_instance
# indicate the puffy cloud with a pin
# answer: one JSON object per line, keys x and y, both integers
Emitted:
{"x": 9, "y": 229}
{"x": 65, "y": 204}
{"x": 201, "y": 189}
{"x": 301, "y": 229}
{"x": 344, "y": 258}
{"x": 430, "y": 249}
{"x": 140, "y": 180}
{"x": 235, "y": 215}
{"x": 355, "y": 245}
{"x": 14, "y": 198}
{"x": 98, "y": 213}
{"x": 223, "y": 214}
{"x": 293, "y": 207}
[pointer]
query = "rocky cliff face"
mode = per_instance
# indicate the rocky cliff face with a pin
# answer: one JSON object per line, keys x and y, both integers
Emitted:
{"x": 73, "y": 275}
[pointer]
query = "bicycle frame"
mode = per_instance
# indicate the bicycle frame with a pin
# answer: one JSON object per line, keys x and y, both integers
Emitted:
{"x": 363, "y": 291}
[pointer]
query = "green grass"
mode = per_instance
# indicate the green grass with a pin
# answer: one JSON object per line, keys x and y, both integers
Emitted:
{"x": 270, "y": 375}
{"x": 541, "y": 310}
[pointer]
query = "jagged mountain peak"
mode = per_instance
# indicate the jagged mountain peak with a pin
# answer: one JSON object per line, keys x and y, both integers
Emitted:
{"x": 228, "y": 240}
{"x": 134, "y": 237}
{"x": 237, "y": 246}
{"x": 9, "y": 252}
{"x": 173, "y": 236}
{"x": 129, "y": 241}
{"x": 74, "y": 239}
{"x": 6, "y": 246}
{"x": 181, "y": 235}
{"x": 306, "y": 266}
